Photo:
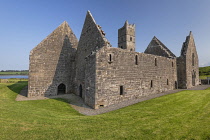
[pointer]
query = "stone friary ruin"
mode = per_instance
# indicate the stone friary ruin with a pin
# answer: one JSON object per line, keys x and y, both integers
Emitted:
{"x": 103, "y": 75}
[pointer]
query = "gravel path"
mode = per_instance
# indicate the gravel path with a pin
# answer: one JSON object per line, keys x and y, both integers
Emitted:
{"x": 77, "y": 103}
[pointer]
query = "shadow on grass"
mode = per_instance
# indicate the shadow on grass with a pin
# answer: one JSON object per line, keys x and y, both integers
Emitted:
{"x": 21, "y": 88}
{"x": 18, "y": 86}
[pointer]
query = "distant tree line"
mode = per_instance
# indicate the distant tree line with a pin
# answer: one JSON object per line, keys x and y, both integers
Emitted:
{"x": 14, "y": 70}
{"x": 204, "y": 71}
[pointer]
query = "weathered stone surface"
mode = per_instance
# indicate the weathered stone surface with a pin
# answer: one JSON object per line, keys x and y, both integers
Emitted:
{"x": 91, "y": 40}
{"x": 126, "y": 37}
{"x": 187, "y": 64}
{"x": 52, "y": 63}
{"x": 139, "y": 77}
{"x": 156, "y": 47}
{"x": 103, "y": 75}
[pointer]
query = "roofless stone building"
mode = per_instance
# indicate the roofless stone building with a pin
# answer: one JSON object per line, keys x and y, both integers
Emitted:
{"x": 103, "y": 75}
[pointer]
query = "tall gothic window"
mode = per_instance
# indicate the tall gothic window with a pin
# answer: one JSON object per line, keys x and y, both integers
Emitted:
{"x": 193, "y": 59}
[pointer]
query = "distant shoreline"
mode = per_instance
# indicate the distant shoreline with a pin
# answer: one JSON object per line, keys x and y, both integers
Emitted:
{"x": 13, "y": 74}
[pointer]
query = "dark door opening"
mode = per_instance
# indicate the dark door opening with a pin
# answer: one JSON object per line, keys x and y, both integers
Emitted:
{"x": 176, "y": 86}
{"x": 193, "y": 78}
{"x": 61, "y": 89}
{"x": 80, "y": 90}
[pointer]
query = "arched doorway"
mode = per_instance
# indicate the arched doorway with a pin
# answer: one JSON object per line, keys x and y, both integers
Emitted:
{"x": 80, "y": 90}
{"x": 61, "y": 89}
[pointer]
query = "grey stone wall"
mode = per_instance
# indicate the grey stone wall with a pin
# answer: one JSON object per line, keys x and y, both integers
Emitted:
{"x": 138, "y": 79}
{"x": 181, "y": 72}
{"x": 126, "y": 37}
{"x": 90, "y": 80}
{"x": 188, "y": 67}
{"x": 52, "y": 63}
{"x": 92, "y": 39}
{"x": 156, "y": 47}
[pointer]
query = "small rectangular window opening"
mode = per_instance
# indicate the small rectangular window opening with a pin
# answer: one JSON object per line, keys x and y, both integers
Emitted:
{"x": 172, "y": 64}
{"x": 110, "y": 57}
{"x": 151, "y": 84}
{"x": 155, "y": 61}
{"x": 136, "y": 59}
{"x": 167, "y": 81}
{"x": 121, "y": 90}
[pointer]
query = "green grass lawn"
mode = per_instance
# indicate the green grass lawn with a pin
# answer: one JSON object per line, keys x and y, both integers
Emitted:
{"x": 204, "y": 72}
{"x": 183, "y": 115}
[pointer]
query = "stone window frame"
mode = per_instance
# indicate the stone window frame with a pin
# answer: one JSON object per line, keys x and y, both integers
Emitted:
{"x": 136, "y": 60}
{"x": 110, "y": 58}
{"x": 193, "y": 59}
{"x": 155, "y": 61}
{"x": 122, "y": 90}
{"x": 151, "y": 84}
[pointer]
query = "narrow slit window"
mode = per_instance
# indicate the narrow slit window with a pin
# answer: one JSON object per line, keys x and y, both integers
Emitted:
{"x": 136, "y": 59}
{"x": 172, "y": 64}
{"x": 151, "y": 84}
{"x": 110, "y": 57}
{"x": 155, "y": 61}
{"x": 167, "y": 82}
{"x": 193, "y": 59}
{"x": 121, "y": 90}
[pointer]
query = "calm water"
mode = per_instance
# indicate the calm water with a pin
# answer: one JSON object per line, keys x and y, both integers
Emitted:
{"x": 13, "y": 76}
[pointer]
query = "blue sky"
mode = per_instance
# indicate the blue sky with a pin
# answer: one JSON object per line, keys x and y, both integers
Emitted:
{"x": 25, "y": 23}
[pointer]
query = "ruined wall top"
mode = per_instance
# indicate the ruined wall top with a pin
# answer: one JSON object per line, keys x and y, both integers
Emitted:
{"x": 63, "y": 31}
{"x": 126, "y": 37}
{"x": 189, "y": 42}
{"x": 156, "y": 47}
